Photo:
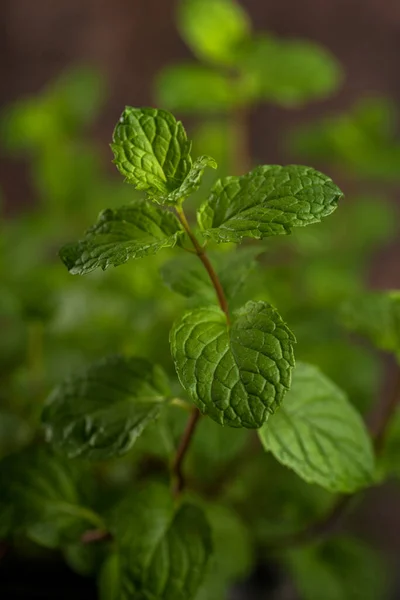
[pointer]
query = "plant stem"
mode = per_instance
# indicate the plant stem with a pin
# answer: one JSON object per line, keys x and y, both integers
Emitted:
{"x": 183, "y": 447}
{"x": 195, "y": 414}
{"x": 328, "y": 523}
{"x": 206, "y": 262}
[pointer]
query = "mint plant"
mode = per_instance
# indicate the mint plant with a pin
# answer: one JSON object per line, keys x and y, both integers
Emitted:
{"x": 235, "y": 367}
{"x": 134, "y": 474}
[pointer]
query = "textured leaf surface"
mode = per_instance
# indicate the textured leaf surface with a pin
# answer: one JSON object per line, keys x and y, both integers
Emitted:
{"x": 163, "y": 550}
{"x": 269, "y": 200}
{"x": 319, "y": 435}
{"x": 376, "y": 315}
{"x": 213, "y": 28}
{"x": 100, "y": 412}
{"x": 151, "y": 150}
{"x": 191, "y": 183}
{"x": 194, "y": 88}
{"x": 236, "y": 375}
{"x": 40, "y": 498}
{"x": 189, "y": 278}
{"x": 128, "y": 232}
{"x": 290, "y": 72}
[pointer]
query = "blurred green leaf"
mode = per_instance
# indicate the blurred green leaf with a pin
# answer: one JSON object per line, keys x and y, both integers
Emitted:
{"x": 319, "y": 435}
{"x": 41, "y": 498}
{"x": 213, "y": 28}
{"x": 214, "y": 137}
{"x": 187, "y": 276}
{"x": 362, "y": 140}
{"x": 15, "y": 432}
{"x": 64, "y": 106}
{"x": 109, "y": 580}
{"x": 194, "y": 88}
{"x": 83, "y": 558}
{"x": 100, "y": 412}
{"x": 161, "y": 546}
{"x": 339, "y": 569}
{"x": 233, "y": 553}
{"x": 290, "y": 72}
{"x": 272, "y": 499}
{"x": 375, "y": 315}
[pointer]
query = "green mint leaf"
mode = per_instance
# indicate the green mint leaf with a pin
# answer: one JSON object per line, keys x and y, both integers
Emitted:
{"x": 194, "y": 88}
{"x": 163, "y": 549}
{"x": 290, "y": 72}
{"x": 269, "y": 200}
{"x": 121, "y": 234}
{"x": 237, "y": 374}
{"x": 213, "y": 28}
{"x": 41, "y": 498}
{"x": 100, "y": 412}
{"x": 191, "y": 183}
{"x": 151, "y": 150}
{"x": 319, "y": 434}
{"x": 376, "y": 315}
{"x": 189, "y": 278}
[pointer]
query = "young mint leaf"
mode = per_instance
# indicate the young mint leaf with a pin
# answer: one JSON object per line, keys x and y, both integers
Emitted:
{"x": 191, "y": 183}
{"x": 100, "y": 412}
{"x": 319, "y": 434}
{"x": 163, "y": 548}
{"x": 376, "y": 315}
{"x": 151, "y": 150}
{"x": 194, "y": 88}
{"x": 237, "y": 374}
{"x": 213, "y": 28}
{"x": 127, "y": 232}
{"x": 269, "y": 200}
{"x": 40, "y": 497}
{"x": 290, "y": 72}
{"x": 189, "y": 278}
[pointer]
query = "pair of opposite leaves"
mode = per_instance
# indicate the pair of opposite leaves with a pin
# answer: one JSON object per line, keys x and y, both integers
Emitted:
{"x": 236, "y": 373}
